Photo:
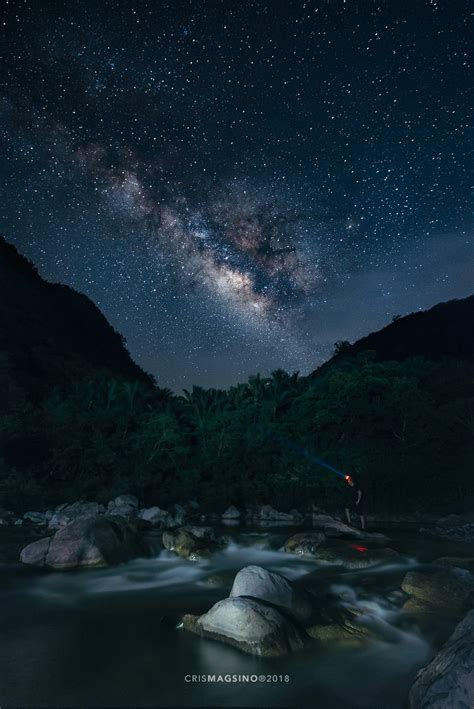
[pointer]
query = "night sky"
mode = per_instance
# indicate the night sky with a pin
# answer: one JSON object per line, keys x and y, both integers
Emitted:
{"x": 239, "y": 184}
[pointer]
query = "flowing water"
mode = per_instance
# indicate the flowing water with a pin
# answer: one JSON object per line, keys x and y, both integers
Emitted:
{"x": 110, "y": 637}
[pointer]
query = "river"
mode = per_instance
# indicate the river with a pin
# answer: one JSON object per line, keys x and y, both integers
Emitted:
{"x": 110, "y": 637}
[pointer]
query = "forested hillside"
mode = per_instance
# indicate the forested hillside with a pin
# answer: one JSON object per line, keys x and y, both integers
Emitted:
{"x": 80, "y": 419}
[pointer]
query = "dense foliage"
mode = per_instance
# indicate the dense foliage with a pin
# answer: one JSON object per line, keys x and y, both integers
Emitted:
{"x": 404, "y": 429}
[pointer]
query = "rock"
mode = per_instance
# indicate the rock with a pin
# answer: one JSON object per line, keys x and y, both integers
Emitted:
{"x": 154, "y": 515}
{"x": 35, "y": 517}
{"x": 268, "y": 515}
{"x": 455, "y": 561}
{"x": 249, "y": 625}
{"x": 335, "y": 528}
{"x": 6, "y": 517}
{"x": 129, "y": 500}
{"x": 179, "y": 517}
{"x": 122, "y": 511}
{"x": 18, "y": 522}
{"x": 224, "y": 578}
{"x": 304, "y": 542}
{"x": 231, "y": 513}
{"x": 450, "y": 521}
{"x": 346, "y": 631}
{"x": 152, "y": 541}
{"x": 272, "y": 588}
{"x": 123, "y": 506}
{"x": 85, "y": 543}
{"x": 451, "y": 588}
{"x": 190, "y": 542}
{"x": 454, "y": 527}
{"x": 35, "y": 553}
{"x": 354, "y": 555}
{"x": 65, "y": 514}
{"x": 448, "y": 681}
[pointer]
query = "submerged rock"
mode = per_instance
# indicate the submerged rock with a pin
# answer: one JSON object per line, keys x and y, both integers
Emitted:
{"x": 452, "y": 589}
{"x": 191, "y": 542}
{"x": 258, "y": 583}
{"x": 448, "y": 681}
{"x": 223, "y": 578}
{"x": 354, "y": 555}
{"x": 86, "y": 543}
{"x": 249, "y": 625}
{"x": 304, "y": 542}
{"x": 344, "y": 629}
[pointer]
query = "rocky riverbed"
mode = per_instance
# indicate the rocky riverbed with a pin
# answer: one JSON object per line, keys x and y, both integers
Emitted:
{"x": 120, "y": 605}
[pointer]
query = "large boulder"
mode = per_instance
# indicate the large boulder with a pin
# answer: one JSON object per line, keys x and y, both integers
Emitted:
{"x": 256, "y": 582}
{"x": 65, "y": 514}
{"x": 450, "y": 588}
{"x": 304, "y": 542}
{"x": 191, "y": 542}
{"x": 249, "y": 625}
{"x": 354, "y": 555}
{"x": 85, "y": 543}
{"x": 448, "y": 681}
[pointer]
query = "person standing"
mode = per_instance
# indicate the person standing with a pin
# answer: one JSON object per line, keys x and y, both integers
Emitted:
{"x": 354, "y": 502}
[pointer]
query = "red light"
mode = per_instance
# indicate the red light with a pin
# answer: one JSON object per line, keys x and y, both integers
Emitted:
{"x": 361, "y": 549}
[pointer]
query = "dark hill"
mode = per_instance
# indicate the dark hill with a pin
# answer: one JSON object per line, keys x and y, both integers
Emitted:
{"x": 446, "y": 330}
{"x": 48, "y": 331}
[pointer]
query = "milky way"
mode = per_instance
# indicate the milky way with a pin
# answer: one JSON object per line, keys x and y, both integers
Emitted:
{"x": 239, "y": 185}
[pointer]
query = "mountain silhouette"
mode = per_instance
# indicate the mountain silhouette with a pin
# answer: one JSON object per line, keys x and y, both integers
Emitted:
{"x": 48, "y": 330}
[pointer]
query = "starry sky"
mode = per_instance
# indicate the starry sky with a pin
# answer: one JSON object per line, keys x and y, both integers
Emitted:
{"x": 238, "y": 185}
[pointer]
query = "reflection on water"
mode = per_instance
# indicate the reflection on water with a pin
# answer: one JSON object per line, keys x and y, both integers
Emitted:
{"x": 109, "y": 636}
